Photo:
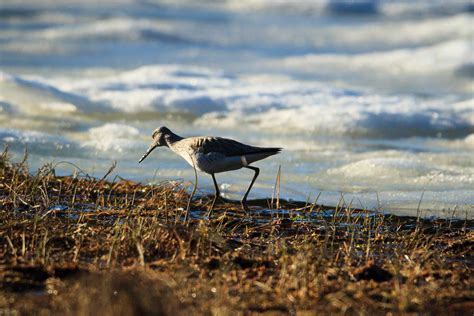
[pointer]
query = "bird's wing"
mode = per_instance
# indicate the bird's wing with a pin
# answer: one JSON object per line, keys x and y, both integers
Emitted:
{"x": 227, "y": 147}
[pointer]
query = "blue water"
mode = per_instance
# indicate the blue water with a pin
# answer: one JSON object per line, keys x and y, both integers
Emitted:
{"x": 372, "y": 101}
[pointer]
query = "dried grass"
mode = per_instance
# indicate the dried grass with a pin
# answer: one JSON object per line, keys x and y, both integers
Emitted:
{"x": 79, "y": 245}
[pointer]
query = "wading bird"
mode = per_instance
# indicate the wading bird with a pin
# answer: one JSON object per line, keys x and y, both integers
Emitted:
{"x": 212, "y": 155}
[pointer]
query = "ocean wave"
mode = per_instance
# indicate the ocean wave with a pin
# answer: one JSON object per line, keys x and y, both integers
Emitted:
{"x": 407, "y": 34}
{"x": 36, "y": 93}
{"x": 446, "y": 56}
{"x": 383, "y": 168}
{"x": 112, "y": 138}
{"x": 216, "y": 99}
{"x": 63, "y": 30}
{"x": 404, "y": 172}
{"x": 109, "y": 29}
{"x": 107, "y": 140}
{"x": 39, "y": 142}
{"x": 429, "y": 70}
{"x": 348, "y": 7}
{"x": 469, "y": 141}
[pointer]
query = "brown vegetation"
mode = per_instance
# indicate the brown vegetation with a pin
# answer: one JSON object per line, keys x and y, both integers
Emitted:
{"x": 78, "y": 245}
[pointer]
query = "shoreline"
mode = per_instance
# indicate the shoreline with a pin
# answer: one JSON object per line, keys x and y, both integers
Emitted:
{"x": 420, "y": 207}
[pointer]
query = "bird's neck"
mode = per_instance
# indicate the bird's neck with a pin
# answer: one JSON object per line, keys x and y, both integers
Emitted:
{"x": 172, "y": 138}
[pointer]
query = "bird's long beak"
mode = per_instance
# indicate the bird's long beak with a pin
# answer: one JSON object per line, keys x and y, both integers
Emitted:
{"x": 149, "y": 150}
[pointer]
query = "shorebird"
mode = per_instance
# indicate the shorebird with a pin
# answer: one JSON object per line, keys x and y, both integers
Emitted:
{"x": 212, "y": 155}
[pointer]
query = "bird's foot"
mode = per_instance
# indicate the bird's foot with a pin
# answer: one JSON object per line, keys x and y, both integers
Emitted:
{"x": 221, "y": 200}
{"x": 214, "y": 202}
{"x": 245, "y": 207}
{"x": 225, "y": 200}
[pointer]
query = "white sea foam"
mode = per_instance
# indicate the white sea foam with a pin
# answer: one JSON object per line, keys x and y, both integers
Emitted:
{"x": 112, "y": 138}
{"x": 383, "y": 168}
{"x": 33, "y": 140}
{"x": 402, "y": 171}
{"x": 58, "y": 107}
{"x": 28, "y": 93}
{"x": 443, "y": 58}
{"x": 219, "y": 100}
{"x": 411, "y": 33}
{"x": 469, "y": 140}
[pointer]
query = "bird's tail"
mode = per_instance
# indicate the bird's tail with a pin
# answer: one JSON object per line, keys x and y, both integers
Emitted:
{"x": 261, "y": 154}
{"x": 268, "y": 150}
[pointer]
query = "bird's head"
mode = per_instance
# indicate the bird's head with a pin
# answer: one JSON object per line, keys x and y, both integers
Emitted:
{"x": 159, "y": 139}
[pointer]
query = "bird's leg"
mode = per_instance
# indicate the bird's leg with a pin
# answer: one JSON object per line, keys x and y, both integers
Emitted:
{"x": 217, "y": 194}
{"x": 244, "y": 200}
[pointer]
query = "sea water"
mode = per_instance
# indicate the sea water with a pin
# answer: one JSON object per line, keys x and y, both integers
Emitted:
{"x": 372, "y": 101}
